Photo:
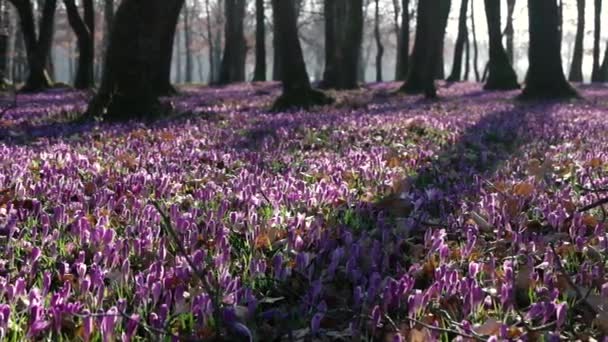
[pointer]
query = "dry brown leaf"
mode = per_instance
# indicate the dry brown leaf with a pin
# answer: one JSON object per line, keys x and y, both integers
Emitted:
{"x": 601, "y": 321}
{"x": 590, "y": 221}
{"x": 523, "y": 189}
{"x": 595, "y": 163}
{"x": 490, "y": 327}
{"x": 420, "y": 335}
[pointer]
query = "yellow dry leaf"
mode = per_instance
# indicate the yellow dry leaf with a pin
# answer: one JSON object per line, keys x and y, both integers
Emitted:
{"x": 523, "y": 189}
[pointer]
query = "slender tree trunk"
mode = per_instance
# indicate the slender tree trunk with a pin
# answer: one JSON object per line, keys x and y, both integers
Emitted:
{"x": 177, "y": 57}
{"x": 135, "y": 60}
{"x": 379, "y": 46}
{"x": 4, "y": 43}
{"x": 259, "y": 73}
{"x": 187, "y": 44}
{"x": 475, "y": 49}
{"x": 235, "y": 49}
{"x": 37, "y": 49}
{"x": 501, "y": 75}
{"x": 460, "y": 41}
{"x": 427, "y": 48}
{"x": 84, "y": 31}
{"x": 467, "y": 63}
{"x": 403, "y": 45}
{"x": 212, "y": 76}
{"x": 545, "y": 78}
{"x": 576, "y": 69}
{"x": 297, "y": 91}
{"x": 444, "y": 11}
{"x": 509, "y": 31}
{"x": 343, "y": 38}
{"x": 595, "y": 74}
{"x": 604, "y": 66}
{"x": 108, "y": 14}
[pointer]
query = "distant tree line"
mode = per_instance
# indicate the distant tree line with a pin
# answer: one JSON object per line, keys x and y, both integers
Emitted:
{"x": 138, "y": 54}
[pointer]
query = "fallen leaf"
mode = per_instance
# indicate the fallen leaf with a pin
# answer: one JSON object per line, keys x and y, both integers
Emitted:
{"x": 523, "y": 189}
{"x": 420, "y": 335}
{"x": 489, "y": 328}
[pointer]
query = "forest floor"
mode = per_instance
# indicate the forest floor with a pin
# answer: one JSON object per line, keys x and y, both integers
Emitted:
{"x": 383, "y": 216}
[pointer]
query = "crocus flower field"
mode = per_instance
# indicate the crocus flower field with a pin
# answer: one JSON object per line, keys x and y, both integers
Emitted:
{"x": 382, "y": 217}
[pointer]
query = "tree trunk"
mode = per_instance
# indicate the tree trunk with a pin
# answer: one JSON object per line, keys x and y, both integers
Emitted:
{"x": 460, "y": 41}
{"x": 162, "y": 84}
{"x": 343, "y": 38}
{"x": 108, "y": 14}
{"x": 576, "y": 69}
{"x": 509, "y": 31}
{"x": 604, "y": 67}
{"x": 86, "y": 46}
{"x": 427, "y": 48}
{"x": 212, "y": 76}
{"x": 187, "y": 44}
{"x": 297, "y": 91}
{"x": 135, "y": 60}
{"x": 379, "y": 46}
{"x": 4, "y": 41}
{"x": 595, "y": 74}
{"x": 177, "y": 56}
{"x": 545, "y": 78}
{"x": 259, "y": 73}
{"x": 235, "y": 50}
{"x": 403, "y": 45}
{"x": 467, "y": 63}
{"x": 501, "y": 75}
{"x": 444, "y": 11}
{"x": 37, "y": 49}
{"x": 475, "y": 49}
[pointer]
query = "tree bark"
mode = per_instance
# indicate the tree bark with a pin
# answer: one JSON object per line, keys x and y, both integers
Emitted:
{"x": 135, "y": 59}
{"x": 604, "y": 66}
{"x": 84, "y": 31}
{"x": 403, "y": 45}
{"x": 212, "y": 77}
{"x": 545, "y": 78}
{"x": 187, "y": 44}
{"x": 162, "y": 83}
{"x": 297, "y": 92}
{"x": 444, "y": 11}
{"x": 475, "y": 49}
{"x": 501, "y": 75}
{"x": 379, "y": 46}
{"x": 595, "y": 73}
{"x": 576, "y": 69}
{"x": 37, "y": 48}
{"x": 235, "y": 49}
{"x": 4, "y": 42}
{"x": 509, "y": 31}
{"x": 467, "y": 63}
{"x": 259, "y": 73}
{"x": 427, "y": 48}
{"x": 460, "y": 41}
{"x": 343, "y": 38}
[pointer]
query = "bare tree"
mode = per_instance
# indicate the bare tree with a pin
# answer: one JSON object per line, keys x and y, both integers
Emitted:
{"x": 84, "y": 28}
{"x": 259, "y": 73}
{"x": 37, "y": 47}
{"x": 135, "y": 64}
{"x": 595, "y": 73}
{"x": 460, "y": 41}
{"x": 379, "y": 46}
{"x": 501, "y": 75}
{"x": 233, "y": 61}
{"x": 576, "y": 69}
{"x": 403, "y": 45}
{"x": 545, "y": 78}
{"x": 297, "y": 91}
